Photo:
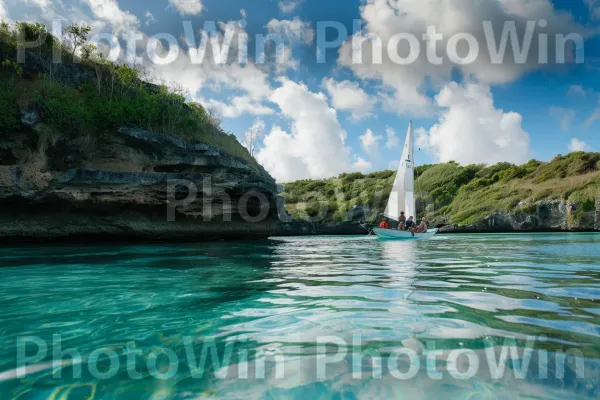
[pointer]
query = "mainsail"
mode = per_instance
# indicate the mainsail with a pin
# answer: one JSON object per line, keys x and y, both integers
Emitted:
{"x": 402, "y": 197}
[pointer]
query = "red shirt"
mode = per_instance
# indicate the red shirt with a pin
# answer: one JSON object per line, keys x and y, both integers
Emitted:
{"x": 384, "y": 225}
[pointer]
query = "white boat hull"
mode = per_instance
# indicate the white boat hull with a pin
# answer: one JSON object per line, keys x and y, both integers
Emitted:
{"x": 394, "y": 234}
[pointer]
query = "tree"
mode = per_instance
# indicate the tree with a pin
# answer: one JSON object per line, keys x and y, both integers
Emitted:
{"x": 214, "y": 121}
{"x": 78, "y": 36}
{"x": 252, "y": 138}
{"x": 88, "y": 51}
{"x": 5, "y": 33}
{"x": 214, "y": 118}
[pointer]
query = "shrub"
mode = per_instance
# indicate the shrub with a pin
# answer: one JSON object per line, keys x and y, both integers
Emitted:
{"x": 584, "y": 199}
{"x": 9, "y": 114}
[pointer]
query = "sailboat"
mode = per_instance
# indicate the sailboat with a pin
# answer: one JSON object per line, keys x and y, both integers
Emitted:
{"x": 402, "y": 197}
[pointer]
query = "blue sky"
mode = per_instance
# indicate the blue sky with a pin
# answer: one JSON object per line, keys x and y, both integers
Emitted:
{"x": 317, "y": 120}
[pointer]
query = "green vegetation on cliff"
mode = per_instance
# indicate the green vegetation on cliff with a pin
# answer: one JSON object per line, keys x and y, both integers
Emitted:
{"x": 90, "y": 95}
{"x": 451, "y": 193}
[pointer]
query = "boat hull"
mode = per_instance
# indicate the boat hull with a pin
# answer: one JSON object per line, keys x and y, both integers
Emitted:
{"x": 393, "y": 234}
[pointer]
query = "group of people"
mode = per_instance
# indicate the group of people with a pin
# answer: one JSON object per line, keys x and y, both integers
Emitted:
{"x": 407, "y": 224}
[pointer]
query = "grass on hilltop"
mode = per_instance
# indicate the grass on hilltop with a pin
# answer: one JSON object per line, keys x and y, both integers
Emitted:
{"x": 451, "y": 193}
{"x": 113, "y": 96}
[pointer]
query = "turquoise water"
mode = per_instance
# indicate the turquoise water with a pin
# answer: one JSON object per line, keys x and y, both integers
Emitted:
{"x": 296, "y": 314}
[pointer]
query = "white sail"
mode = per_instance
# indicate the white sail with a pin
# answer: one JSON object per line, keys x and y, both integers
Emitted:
{"x": 402, "y": 197}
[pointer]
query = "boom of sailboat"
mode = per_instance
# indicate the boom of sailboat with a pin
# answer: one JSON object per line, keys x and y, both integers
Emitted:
{"x": 402, "y": 197}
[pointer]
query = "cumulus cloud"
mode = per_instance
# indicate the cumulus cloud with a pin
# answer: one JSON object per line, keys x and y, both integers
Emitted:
{"x": 348, "y": 96}
{"x": 288, "y": 6}
{"x": 370, "y": 144}
{"x": 362, "y": 165}
{"x": 472, "y": 130}
{"x": 294, "y": 29}
{"x": 578, "y": 145}
{"x": 109, "y": 11}
{"x": 3, "y": 12}
{"x": 248, "y": 82}
{"x": 187, "y": 7}
{"x": 563, "y": 115}
{"x": 149, "y": 18}
{"x": 315, "y": 147}
{"x": 237, "y": 106}
{"x": 392, "y": 138}
{"x": 405, "y": 87}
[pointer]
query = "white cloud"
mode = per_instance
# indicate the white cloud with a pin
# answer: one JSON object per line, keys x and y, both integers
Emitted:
{"x": 472, "y": 130}
{"x": 248, "y": 83}
{"x": 576, "y": 90}
{"x": 288, "y": 6}
{"x": 109, "y": 11}
{"x": 291, "y": 32}
{"x": 348, "y": 96}
{"x": 149, "y": 18}
{"x": 187, "y": 7}
{"x": 295, "y": 30}
{"x": 370, "y": 144}
{"x": 315, "y": 147}
{"x": 237, "y": 106}
{"x": 3, "y": 12}
{"x": 49, "y": 10}
{"x": 362, "y": 165}
{"x": 563, "y": 115}
{"x": 392, "y": 139}
{"x": 45, "y": 5}
{"x": 405, "y": 87}
{"x": 595, "y": 116}
{"x": 578, "y": 145}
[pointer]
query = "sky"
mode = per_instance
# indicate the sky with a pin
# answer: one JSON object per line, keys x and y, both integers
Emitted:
{"x": 320, "y": 110}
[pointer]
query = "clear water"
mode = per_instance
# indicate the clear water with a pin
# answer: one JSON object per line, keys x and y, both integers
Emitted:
{"x": 297, "y": 314}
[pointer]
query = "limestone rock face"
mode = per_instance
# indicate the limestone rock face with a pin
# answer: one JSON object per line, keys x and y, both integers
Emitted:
{"x": 548, "y": 216}
{"x": 128, "y": 184}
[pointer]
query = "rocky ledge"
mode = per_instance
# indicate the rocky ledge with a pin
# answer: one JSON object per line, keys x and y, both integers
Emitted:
{"x": 129, "y": 184}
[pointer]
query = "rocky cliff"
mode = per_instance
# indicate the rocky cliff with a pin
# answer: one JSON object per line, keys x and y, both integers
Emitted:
{"x": 544, "y": 216}
{"x": 127, "y": 184}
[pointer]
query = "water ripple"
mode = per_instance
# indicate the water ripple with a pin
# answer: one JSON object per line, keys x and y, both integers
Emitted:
{"x": 456, "y": 292}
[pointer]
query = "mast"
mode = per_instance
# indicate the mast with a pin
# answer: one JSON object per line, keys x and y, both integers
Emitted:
{"x": 411, "y": 209}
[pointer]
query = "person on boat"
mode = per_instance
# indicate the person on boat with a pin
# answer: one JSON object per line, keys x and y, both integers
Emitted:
{"x": 423, "y": 227}
{"x": 384, "y": 224}
{"x": 402, "y": 220}
{"x": 410, "y": 224}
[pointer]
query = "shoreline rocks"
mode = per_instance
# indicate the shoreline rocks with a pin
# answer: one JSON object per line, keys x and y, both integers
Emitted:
{"x": 547, "y": 216}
